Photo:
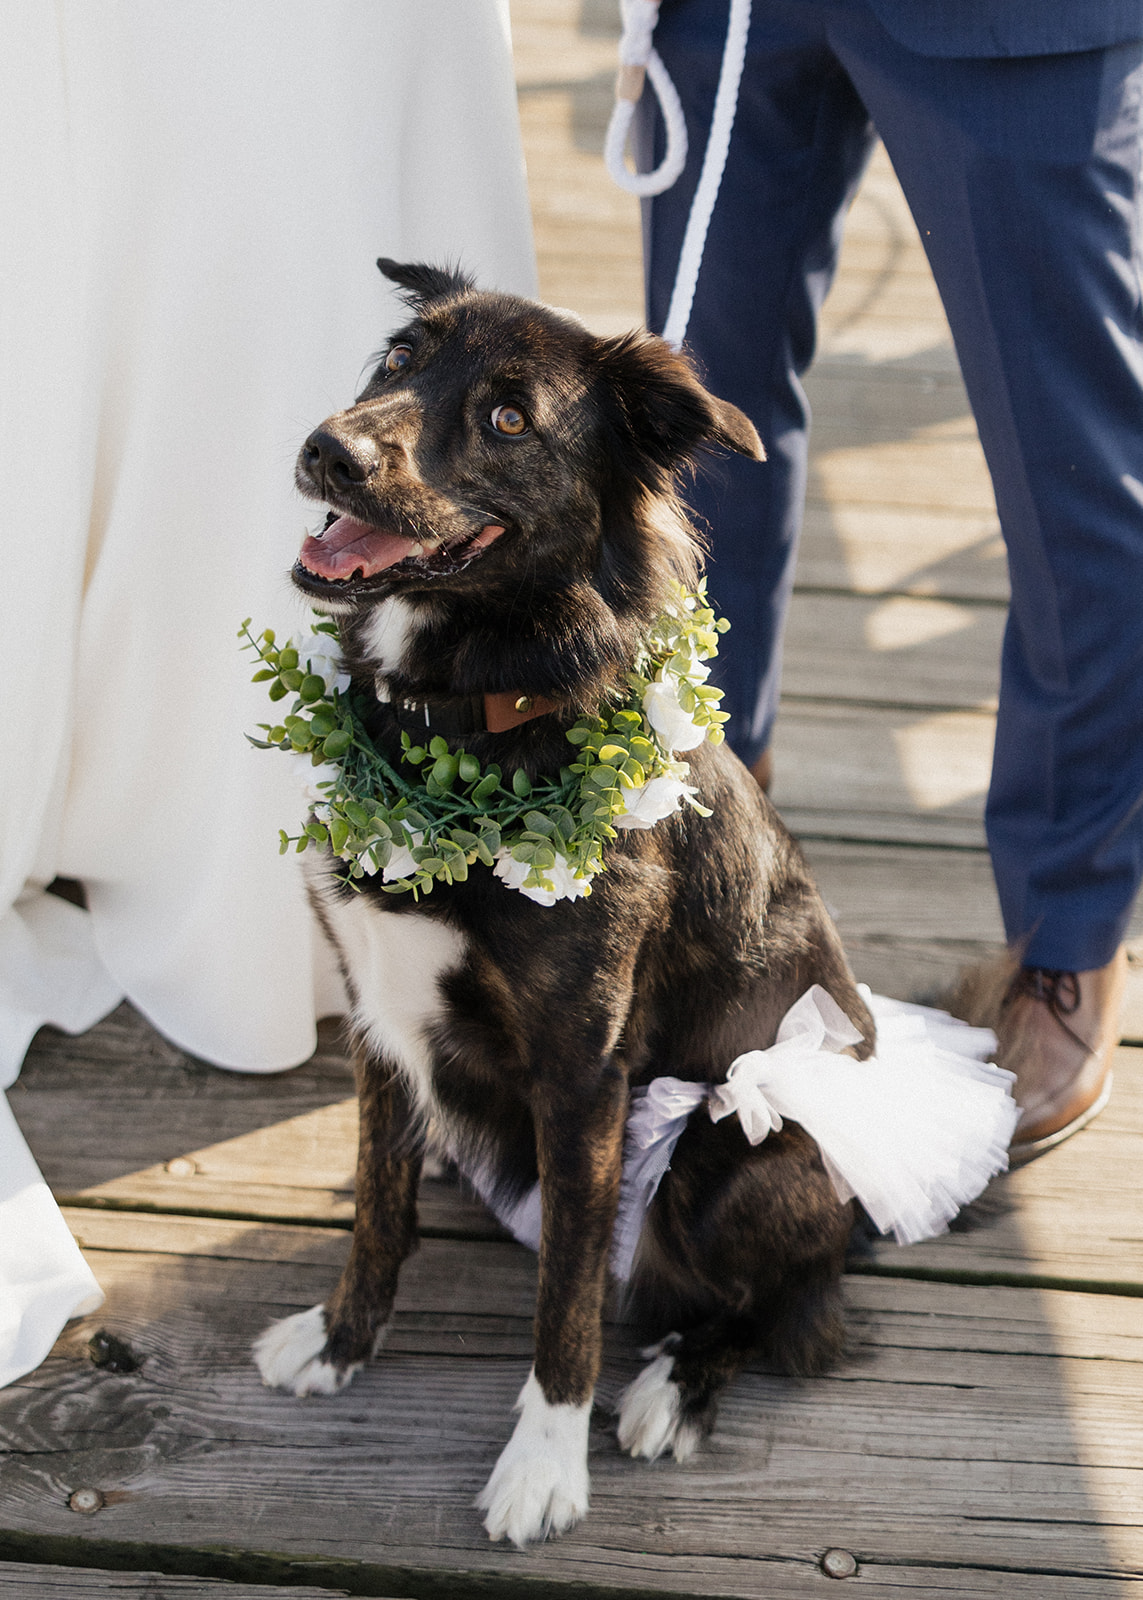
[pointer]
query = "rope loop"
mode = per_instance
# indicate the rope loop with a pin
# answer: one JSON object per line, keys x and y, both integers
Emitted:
{"x": 639, "y": 60}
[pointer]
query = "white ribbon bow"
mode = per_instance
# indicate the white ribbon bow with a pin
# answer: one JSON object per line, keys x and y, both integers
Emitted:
{"x": 754, "y": 1087}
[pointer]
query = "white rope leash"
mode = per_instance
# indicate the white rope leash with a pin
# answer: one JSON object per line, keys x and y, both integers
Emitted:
{"x": 635, "y": 55}
{"x": 638, "y": 60}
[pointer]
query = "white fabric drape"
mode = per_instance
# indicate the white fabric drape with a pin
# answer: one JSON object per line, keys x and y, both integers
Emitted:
{"x": 192, "y": 198}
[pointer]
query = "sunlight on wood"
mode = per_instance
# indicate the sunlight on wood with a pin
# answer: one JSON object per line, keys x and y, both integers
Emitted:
{"x": 946, "y": 474}
{"x": 900, "y": 623}
{"x": 945, "y": 759}
{"x": 871, "y": 549}
{"x": 317, "y": 1150}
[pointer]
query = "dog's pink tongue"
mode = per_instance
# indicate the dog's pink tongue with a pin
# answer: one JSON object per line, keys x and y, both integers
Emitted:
{"x": 348, "y": 546}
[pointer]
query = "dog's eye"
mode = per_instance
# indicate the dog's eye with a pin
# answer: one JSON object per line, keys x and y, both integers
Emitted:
{"x": 506, "y": 419}
{"x": 398, "y": 357}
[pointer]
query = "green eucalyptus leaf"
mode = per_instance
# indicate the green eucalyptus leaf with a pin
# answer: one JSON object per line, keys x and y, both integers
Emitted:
{"x": 445, "y": 769}
{"x": 487, "y": 786}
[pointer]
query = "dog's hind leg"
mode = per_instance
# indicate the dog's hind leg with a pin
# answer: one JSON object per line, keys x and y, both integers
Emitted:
{"x": 319, "y": 1350}
{"x": 741, "y": 1257}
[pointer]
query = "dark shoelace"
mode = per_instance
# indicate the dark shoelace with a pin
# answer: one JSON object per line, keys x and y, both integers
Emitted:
{"x": 1059, "y": 991}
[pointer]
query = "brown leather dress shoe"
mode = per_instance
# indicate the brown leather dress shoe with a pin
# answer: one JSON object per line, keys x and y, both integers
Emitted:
{"x": 1057, "y": 1032}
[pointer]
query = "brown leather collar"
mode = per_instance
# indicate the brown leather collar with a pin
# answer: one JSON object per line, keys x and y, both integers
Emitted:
{"x": 476, "y": 713}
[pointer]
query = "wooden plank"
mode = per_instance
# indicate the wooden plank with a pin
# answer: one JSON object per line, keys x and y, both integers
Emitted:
{"x": 120, "y": 1116}
{"x": 246, "y": 1177}
{"x": 922, "y": 774}
{"x": 988, "y": 1429}
{"x": 944, "y": 473}
{"x": 565, "y": 71}
{"x": 1077, "y": 1217}
{"x": 897, "y": 650}
{"x": 884, "y": 550}
{"x": 911, "y": 919}
{"x": 856, "y": 405}
{"x": 21, "y": 1580}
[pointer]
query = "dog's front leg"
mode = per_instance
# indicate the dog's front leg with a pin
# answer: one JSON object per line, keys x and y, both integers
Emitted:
{"x": 540, "y": 1483}
{"x": 319, "y": 1350}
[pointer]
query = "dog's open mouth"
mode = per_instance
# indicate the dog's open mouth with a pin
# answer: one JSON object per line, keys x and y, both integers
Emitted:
{"x": 348, "y": 551}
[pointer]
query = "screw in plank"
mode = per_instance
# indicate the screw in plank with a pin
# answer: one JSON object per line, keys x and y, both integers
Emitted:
{"x": 839, "y": 1564}
{"x": 181, "y": 1167}
{"x": 86, "y": 1501}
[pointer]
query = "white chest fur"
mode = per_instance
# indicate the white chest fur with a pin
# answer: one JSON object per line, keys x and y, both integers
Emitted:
{"x": 395, "y": 962}
{"x": 387, "y": 634}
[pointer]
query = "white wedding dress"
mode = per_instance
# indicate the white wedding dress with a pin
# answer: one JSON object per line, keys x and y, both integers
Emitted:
{"x": 192, "y": 198}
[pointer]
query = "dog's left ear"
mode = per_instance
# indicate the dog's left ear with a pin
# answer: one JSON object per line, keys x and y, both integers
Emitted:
{"x": 421, "y": 282}
{"x": 664, "y": 406}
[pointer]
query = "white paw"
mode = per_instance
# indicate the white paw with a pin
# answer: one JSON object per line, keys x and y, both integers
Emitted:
{"x": 540, "y": 1483}
{"x": 287, "y": 1355}
{"x": 650, "y": 1419}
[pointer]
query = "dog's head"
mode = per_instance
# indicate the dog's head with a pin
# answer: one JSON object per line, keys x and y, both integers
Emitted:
{"x": 498, "y": 437}
{"x": 501, "y": 455}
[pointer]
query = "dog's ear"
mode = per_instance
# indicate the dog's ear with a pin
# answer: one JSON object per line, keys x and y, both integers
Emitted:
{"x": 663, "y": 405}
{"x": 421, "y": 283}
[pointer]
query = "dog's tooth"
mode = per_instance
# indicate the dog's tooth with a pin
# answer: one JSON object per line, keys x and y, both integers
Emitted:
{"x": 416, "y": 549}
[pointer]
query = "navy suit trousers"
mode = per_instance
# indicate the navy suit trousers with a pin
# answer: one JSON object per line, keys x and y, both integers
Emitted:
{"x": 1024, "y": 177}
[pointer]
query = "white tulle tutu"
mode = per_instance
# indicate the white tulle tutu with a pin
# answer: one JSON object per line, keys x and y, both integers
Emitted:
{"x": 914, "y": 1133}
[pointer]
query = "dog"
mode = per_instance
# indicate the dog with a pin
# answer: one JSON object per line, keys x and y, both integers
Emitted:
{"x": 504, "y": 525}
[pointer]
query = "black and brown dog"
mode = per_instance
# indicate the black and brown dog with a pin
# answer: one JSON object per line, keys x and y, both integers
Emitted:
{"x": 505, "y": 525}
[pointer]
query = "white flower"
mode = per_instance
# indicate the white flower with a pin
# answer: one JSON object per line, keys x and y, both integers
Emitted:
{"x": 401, "y": 862}
{"x": 676, "y": 727}
{"x": 318, "y": 654}
{"x": 310, "y": 776}
{"x": 565, "y": 884}
{"x": 651, "y": 802}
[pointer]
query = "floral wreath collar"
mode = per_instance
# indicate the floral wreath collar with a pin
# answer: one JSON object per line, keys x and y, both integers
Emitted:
{"x": 442, "y": 812}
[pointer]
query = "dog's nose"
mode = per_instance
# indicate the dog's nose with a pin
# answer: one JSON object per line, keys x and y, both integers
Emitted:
{"x": 336, "y": 462}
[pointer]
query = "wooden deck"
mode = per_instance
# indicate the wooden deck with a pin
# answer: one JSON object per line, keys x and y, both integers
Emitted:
{"x": 985, "y": 1435}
